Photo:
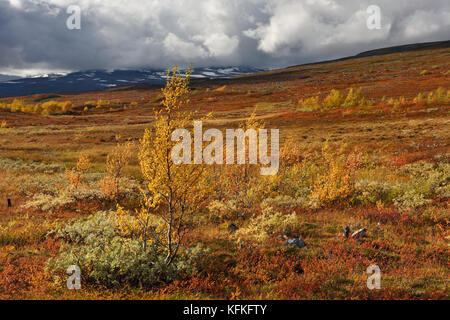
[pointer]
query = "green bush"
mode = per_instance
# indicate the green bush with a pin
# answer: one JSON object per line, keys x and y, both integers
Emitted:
{"x": 270, "y": 224}
{"x": 410, "y": 200}
{"x": 369, "y": 192}
{"x": 109, "y": 258}
{"x": 428, "y": 178}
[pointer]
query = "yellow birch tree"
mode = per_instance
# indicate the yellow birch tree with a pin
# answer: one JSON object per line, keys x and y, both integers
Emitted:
{"x": 172, "y": 191}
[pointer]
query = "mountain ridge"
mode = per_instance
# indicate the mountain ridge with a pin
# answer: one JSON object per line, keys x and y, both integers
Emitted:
{"x": 98, "y": 80}
{"x": 95, "y": 80}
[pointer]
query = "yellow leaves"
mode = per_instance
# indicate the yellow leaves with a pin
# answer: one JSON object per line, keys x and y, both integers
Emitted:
{"x": 175, "y": 94}
{"x": 221, "y": 89}
{"x": 109, "y": 187}
{"x": 380, "y": 205}
{"x": 334, "y": 100}
{"x": 115, "y": 163}
{"x": 335, "y": 178}
{"x": 309, "y": 104}
{"x": 54, "y": 107}
{"x": 236, "y": 294}
{"x": 74, "y": 176}
{"x": 165, "y": 179}
{"x": 119, "y": 158}
{"x": 172, "y": 191}
{"x": 123, "y": 226}
{"x": 290, "y": 153}
{"x": 420, "y": 98}
{"x": 353, "y": 97}
{"x": 102, "y": 103}
{"x": 252, "y": 122}
{"x": 83, "y": 163}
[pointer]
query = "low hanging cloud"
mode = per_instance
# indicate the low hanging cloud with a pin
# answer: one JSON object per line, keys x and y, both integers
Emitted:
{"x": 156, "y": 34}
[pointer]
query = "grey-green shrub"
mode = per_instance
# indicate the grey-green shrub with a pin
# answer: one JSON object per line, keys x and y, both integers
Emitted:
{"x": 426, "y": 180}
{"x": 107, "y": 258}
{"x": 285, "y": 202}
{"x": 410, "y": 200}
{"x": 428, "y": 177}
{"x": 369, "y": 192}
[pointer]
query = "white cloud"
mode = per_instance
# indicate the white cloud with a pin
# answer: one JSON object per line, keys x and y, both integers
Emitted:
{"x": 179, "y": 48}
{"x": 219, "y": 44}
{"x": 15, "y": 3}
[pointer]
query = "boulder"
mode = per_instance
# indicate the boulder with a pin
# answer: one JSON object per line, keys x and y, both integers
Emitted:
{"x": 295, "y": 243}
{"x": 361, "y": 233}
{"x": 346, "y": 232}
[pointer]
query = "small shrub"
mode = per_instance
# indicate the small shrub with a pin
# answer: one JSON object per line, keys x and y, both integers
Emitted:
{"x": 290, "y": 154}
{"x": 438, "y": 96}
{"x": 46, "y": 108}
{"x": 29, "y": 166}
{"x": 420, "y": 99}
{"x": 75, "y": 176}
{"x": 426, "y": 180}
{"x": 309, "y": 104}
{"x": 371, "y": 192}
{"x": 354, "y": 97}
{"x": 66, "y": 199}
{"x": 335, "y": 179}
{"x": 107, "y": 258}
{"x": 284, "y": 203}
{"x": 222, "y": 210}
{"x": 409, "y": 200}
{"x": 334, "y": 100}
{"x": 270, "y": 224}
{"x": 55, "y": 107}
{"x": 115, "y": 163}
{"x": 103, "y": 103}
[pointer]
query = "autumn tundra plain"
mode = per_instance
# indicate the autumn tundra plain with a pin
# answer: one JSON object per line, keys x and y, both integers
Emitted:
{"x": 364, "y": 144}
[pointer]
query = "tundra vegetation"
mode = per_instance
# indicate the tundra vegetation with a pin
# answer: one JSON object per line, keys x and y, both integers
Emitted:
{"x": 364, "y": 144}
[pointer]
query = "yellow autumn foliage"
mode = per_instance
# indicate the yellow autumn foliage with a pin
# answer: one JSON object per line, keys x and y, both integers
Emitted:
{"x": 172, "y": 191}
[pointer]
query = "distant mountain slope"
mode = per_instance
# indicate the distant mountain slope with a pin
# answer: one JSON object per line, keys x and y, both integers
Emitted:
{"x": 4, "y": 78}
{"x": 405, "y": 48}
{"x": 101, "y": 79}
{"x": 389, "y": 50}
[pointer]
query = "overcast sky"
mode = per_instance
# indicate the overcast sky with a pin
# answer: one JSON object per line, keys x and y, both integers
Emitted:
{"x": 158, "y": 33}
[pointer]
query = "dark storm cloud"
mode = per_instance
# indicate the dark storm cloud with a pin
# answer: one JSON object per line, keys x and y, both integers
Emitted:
{"x": 150, "y": 33}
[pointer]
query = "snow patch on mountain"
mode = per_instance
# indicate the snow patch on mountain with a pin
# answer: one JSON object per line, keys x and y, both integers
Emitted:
{"x": 101, "y": 79}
